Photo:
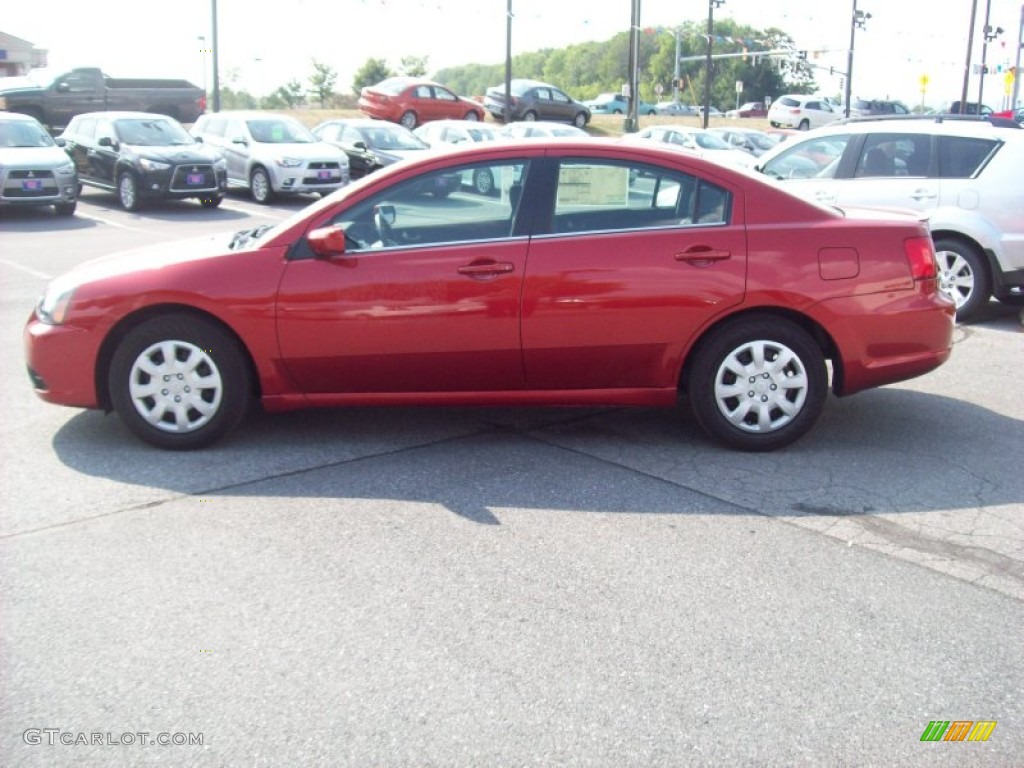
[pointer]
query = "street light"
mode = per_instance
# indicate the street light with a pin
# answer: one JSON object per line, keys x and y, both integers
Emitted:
{"x": 857, "y": 22}
{"x": 712, "y": 4}
{"x": 203, "y": 49}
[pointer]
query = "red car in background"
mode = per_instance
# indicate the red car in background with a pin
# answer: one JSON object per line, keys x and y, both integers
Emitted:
{"x": 412, "y": 101}
{"x": 1013, "y": 114}
{"x": 600, "y": 273}
{"x": 750, "y": 109}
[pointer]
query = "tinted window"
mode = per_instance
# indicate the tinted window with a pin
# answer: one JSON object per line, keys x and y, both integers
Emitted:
{"x": 887, "y": 154}
{"x": 962, "y": 158}
{"x": 431, "y": 210}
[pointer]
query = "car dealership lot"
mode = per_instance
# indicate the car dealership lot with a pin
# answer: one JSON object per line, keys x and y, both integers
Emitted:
{"x": 461, "y": 586}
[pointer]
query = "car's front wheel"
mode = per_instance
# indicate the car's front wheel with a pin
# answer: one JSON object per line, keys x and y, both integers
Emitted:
{"x": 758, "y": 383}
{"x": 962, "y": 276}
{"x": 128, "y": 191}
{"x": 179, "y": 382}
{"x": 530, "y": 116}
{"x": 580, "y": 121}
{"x": 65, "y": 209}
{"x": 471, "y": 116}
{"x": 483, "y": 181}
{"x": 259, "y": 185}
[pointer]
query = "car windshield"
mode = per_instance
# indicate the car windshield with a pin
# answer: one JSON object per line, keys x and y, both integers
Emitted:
{"x": 23, "y": 133}
{"x": 151, "y": 132}
{"x": 709, "y": 141}
{"x": 267, "y": 131}
{"x": 385, "y": 138}
{"x": 760, "y": 141}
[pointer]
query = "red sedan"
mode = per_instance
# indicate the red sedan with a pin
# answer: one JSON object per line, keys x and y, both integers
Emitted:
{"x": 597, "y": 273}
{"x": 411, "y": 101}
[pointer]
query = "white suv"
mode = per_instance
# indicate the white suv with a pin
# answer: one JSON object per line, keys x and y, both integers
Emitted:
{"x": 963, "y": 172}
{"x": 802, "y": 111}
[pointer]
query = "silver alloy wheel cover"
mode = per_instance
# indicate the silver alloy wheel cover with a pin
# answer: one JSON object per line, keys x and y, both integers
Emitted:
{"x": 126, "y": 190}
{"x": 761, "y": 386}
{"x": 260, "y": 185}
{"x": 483, "y": 175}
{"x": 956, "y": 277}
{"x": 175, "y": 386}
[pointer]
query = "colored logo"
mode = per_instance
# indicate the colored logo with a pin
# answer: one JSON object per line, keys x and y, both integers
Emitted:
{"x": 958, "y": 730}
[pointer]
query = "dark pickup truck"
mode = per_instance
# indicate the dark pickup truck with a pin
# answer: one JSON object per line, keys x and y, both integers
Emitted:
{"x": 87, "y": 89}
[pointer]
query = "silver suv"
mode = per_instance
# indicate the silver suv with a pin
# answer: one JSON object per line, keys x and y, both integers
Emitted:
{"x": 963, "y": 172}
{"x": 34, "y": 170}
{"x": 271, "y": 154}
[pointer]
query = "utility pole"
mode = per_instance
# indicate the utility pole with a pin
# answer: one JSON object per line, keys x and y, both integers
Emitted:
{"x": 967, "y": 65}
{"x": 632, "y": 121}
{"x": 712, "y": 4}
{"x": 1016, "y": 73}
{"x": 507, "y": 114}
{"x": 216, "y": 51}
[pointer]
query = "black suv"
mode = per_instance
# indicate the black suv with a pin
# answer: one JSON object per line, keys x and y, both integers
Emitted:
{"x": 533, "y": 100}
{"x": 140, "y": 155}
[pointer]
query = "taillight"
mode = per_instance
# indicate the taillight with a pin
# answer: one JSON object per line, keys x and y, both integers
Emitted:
{"x": 202, "y": 103}
{"x": 921, "y": 255}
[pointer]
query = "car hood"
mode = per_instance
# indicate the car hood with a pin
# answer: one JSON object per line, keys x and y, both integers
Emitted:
{"x": 19, "y": 88}
{"x": 394, "y": 155}
{"x": 180, "y": 153}
{"x": 318, "y": 150}
{"x": 33, "y": 157}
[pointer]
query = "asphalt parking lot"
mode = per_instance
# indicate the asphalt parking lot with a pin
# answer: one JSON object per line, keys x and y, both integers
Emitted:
{"x": 505, "y": 586}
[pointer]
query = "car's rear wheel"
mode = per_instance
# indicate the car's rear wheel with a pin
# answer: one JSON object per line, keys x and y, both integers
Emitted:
{"x": 530, "y": 116}
{"x": 483, "y": 181}
{"x": 408, "y": 119}
{"x": 128, "y": 191}
{"x": 65, "y": 209}
{"x": 211, "y": 202}
{"x": 179, "y": 382}
{"x": 805, "y": 125}
{"x": 471, "y": 116}
{"x": 580, "y": 121}
{"x": 259, "y": 185}
{"x": 758, "y": 383}
{"x": 962, "y": 276}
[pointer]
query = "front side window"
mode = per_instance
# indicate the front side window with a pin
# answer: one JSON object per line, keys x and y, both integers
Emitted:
{"x": 433, "y": 209}
{"x": 444, "y": 95}
{"x": 596, "y": 196}
{"x": 814, "y": 158}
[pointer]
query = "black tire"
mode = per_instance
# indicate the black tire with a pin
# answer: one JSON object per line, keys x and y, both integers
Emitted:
{"x": 805, "y": 125}
{"x": 65, "y": 209}
{"x": 260, "y": 188}
{"x": 780, "y": 406}
{"x": 963, "y": 276}
{"x": 616, "y": 111}
{"x": 530, "y": 116}
{"x": 580, "y": 121}
{"x": 483, "y": 181}
{"x": 211, "y": 202}
{"x": 408, "y": 119}
{"x": 471, "y": 116}
{"x": 128, "y": 191}
{"x": 207, "y": 381}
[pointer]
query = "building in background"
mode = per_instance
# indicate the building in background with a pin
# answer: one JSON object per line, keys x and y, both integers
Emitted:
{"x": 18, "y": 56}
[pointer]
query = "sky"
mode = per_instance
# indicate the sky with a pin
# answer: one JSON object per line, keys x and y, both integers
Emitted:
{"x": 265, "y": 45}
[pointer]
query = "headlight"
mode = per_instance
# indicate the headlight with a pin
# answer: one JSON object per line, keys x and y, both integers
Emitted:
{"x": 53, "y": 305}
{"x": 288, "y": 162}
{"x": 3, "y": 102}
{"x": 152, "y": 165}
{"x": 66, "y": 170}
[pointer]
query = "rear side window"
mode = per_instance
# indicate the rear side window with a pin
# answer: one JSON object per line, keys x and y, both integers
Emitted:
{"x": 963, "y": 157}
{"x": 606, "y": 196}
{"x": 889, "y": 154}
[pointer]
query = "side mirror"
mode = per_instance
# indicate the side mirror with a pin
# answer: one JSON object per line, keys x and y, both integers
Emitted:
{"x": 327, "y": 242}
{"x": 106, "y": 141}
{"x": 199, "y": 139}
{"x": 360, "y": 145}
{"x": 60, "y": 141}
{"x": 63, "y": 87}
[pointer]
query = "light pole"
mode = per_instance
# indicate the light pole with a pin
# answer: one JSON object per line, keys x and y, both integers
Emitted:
{"x": 214, "y": 49}
{"x": 631, "y": 122}
{"x": 857, "y": 22}
{"x": 203, "y": 49}
{"x": 989, "y": 34}
{"x": 712, "y": 4}
{"x": 507, "y": 114}
{"x": 676, "y": 74}
{"x": 962, "y": 107}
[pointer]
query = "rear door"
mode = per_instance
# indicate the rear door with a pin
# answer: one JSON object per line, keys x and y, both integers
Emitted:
{"x": 630, "y": 262}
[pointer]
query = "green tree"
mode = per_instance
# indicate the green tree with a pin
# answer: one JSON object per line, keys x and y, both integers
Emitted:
{"x": 322, "y": 82}
{"x": 372, "y": 72}
{"x": 413, "y": 66}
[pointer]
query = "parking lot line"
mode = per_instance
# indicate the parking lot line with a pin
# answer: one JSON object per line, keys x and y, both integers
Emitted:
{"x": 101, "y": 220}
{"x": 27, "y": 270}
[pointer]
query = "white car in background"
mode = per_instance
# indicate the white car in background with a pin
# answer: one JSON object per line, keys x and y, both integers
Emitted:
{"x": 963, "y": 173}
{"x": 802, "y": 111}
{"x": 700, "y": 142}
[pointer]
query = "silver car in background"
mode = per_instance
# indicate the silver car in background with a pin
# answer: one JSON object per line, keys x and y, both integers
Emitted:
{"x": 271, "y": 154}
{"x": 34, "y": 170}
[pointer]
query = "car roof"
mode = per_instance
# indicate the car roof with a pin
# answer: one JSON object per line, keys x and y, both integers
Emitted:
{"x": 246, "y": 114}
{"x": 123, "y": 115}
{"x": 963, "y": 125}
